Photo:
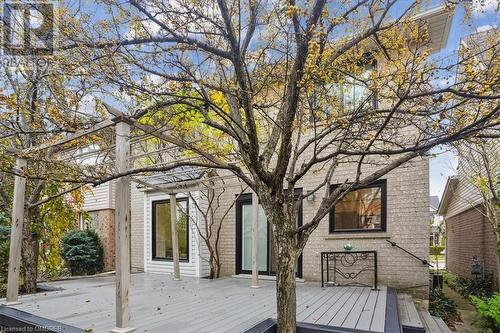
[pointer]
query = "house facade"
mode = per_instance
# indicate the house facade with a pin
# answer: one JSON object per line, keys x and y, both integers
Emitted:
{"x": 394, "y": 208}
{"x": 469, "y": 235}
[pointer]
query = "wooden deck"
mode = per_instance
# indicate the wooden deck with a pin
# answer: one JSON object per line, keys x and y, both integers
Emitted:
{"x": 199, "y": 305}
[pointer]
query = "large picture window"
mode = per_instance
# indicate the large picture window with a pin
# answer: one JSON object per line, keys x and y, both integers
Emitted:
{"x": 361, "y": 210}
{"x": 162, "y": 230}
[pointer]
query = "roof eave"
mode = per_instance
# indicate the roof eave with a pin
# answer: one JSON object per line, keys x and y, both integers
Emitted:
{"x": 451, "y": 183}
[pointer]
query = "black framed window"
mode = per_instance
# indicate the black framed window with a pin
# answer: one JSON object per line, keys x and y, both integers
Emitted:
{"x": 162, "y": 229}
{"x": 267, "y": 253}
{"x": 361, "y": 210}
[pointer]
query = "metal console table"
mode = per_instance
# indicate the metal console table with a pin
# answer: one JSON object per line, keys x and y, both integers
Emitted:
{"x": 348, "y": 265}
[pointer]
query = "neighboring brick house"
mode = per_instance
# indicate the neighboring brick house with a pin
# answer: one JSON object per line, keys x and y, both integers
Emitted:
{"x": 99, "y": 203}
{"x": 395, "y": 208}
{"x": 468, "y": 233}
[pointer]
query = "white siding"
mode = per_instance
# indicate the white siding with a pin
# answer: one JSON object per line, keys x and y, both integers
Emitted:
{"x": 100, "y": 197}
{"x": 464, "y": 197}
{"x": 193, "y": 267}
{"x": 138, "y": 199}
{"x": 203, "y": 253}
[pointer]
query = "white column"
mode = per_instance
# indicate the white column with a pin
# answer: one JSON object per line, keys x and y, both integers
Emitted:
{"x": 122, "y": 227}
{"x": 255, "y": 240}
{"x": 16, "y": 234}
{"x": 175, "y": 239}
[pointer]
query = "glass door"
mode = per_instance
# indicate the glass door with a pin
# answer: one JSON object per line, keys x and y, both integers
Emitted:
{"x": 267, "y": 255}
{"x": 246, "y": 245}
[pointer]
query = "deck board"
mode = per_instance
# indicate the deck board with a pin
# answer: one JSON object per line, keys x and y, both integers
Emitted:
{"x": 353, "y": 316}
{"x": 160, "y": 304}
{"x": 365, "y": 319}
{"x": 334, "y": 308}
{"x": 378, "y": 320}
{"x": 344, "y": 311}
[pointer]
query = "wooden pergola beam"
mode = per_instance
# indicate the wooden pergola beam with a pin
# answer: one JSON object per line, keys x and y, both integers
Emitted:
{"x": 16, "y": 233}
{"x": 95, "y": 128}
{"x": 122, "y": 231}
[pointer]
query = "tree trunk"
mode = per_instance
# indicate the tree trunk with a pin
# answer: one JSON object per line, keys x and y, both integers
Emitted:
{"x": 29, "y": 254}
{"x": 285, "y": 277}
{"x": 217, "y": 268}
{"x": 213, "y": 269}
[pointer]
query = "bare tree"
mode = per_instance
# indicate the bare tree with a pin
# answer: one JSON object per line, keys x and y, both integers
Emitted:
{"x": 214, "y": 211}
{"x": 273, "y": 91}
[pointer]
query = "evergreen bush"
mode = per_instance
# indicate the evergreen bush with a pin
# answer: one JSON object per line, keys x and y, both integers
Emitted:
{"x": 82, "y": 251}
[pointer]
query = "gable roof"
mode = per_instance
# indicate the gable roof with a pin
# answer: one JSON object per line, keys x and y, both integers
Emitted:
{"x": 451, "y": 184}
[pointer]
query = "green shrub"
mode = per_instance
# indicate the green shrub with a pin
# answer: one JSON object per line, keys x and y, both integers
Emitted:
{"x": 436, "y": 250}
{"x": 4, "y": 252}
{"x": 82, "y": 251}
{"x": 444, "y": 307}
{"x": 487, "y": 313}
{"x": 481, "y": 286}
{"x": 3, "y": 218}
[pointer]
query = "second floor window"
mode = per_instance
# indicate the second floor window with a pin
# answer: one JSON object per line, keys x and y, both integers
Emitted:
{"x": 354, "y": 93}
{"x": 350, "y": 94}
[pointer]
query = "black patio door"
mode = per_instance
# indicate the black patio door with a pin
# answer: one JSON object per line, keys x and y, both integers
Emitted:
{"x": 266, "y": 256}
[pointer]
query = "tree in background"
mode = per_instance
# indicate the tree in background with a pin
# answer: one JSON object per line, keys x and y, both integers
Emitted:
{"x": 37, "y": 104}
{"x": 479, "y": 160}
{"x": 214, "y": 211}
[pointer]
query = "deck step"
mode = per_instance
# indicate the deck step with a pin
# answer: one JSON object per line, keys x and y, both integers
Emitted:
{"x": 433, "y": 324}
{"x": 408, "y": 315}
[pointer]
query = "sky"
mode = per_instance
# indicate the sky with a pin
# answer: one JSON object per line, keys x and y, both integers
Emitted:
{"x": 485, "y": 16}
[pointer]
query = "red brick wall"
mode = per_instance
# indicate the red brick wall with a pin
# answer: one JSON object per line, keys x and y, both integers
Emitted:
{"x": 469, "y": 234}
{"x": 106, "y": 232}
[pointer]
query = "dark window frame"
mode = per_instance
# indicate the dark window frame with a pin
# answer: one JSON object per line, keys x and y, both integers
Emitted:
{"x": 153, "y": 229}
{"x": 246, "y": 198}
{"x": 382, "y": 184}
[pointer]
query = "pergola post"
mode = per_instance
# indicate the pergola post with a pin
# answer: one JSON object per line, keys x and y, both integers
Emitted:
{"x": 122, "y": 236}
{"x": 175, "y": 239}
{"x": 255, "y": 240}
{"x": 16, "y": 233}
